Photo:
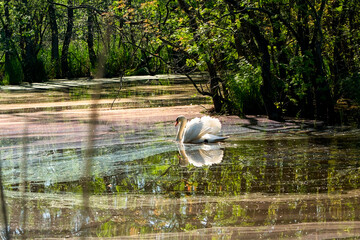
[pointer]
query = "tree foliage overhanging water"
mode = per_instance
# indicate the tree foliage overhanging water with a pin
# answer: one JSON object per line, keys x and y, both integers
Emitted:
{"x": 280, "y": 57}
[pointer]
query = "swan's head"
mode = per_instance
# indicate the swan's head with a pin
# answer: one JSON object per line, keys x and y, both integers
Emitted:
{"x": 180, "y": 119}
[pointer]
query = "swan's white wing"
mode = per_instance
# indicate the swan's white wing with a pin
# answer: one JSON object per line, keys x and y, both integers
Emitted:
{"x": 212, "y": 124}
{"x": 194, "y": 130}
{"x": 198, "y": 127}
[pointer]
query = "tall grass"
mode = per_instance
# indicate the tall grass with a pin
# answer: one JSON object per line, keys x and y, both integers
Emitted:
{"x": 244, "y": 88}
{"x": 12, "y": 72}
{"x": 79, "y": 63}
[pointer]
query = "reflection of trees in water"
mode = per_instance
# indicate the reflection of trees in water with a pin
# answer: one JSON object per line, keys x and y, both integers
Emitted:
{"x": 300, "y": 166}
{"x": 271, "y": 166}
{"x": 118, "y": 214}
{"x": 229, "y": 175}
{"x": 148, "y": 213}
{"x": 268, "y": 166}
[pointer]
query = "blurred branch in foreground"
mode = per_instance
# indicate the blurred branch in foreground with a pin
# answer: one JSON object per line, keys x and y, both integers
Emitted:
{"x": 89, "y": 152}
{"x": 23, "y": 177}
{"x": 3, "y": 206}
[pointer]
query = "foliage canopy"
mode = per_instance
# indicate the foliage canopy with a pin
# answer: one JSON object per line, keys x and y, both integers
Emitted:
{"x": 296, "y": 58}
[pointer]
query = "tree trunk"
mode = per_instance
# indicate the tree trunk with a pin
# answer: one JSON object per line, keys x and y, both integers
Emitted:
{"x": 339, "y": 65}
{"x": 12, "y": 64}
{"x": 65, "y": 50}
{"x": 90, "y": 38}
{"x": 324, "y": 101}
{"x": 54, "y": 38}
{"x": 260, "y": 49}
{"x": 33, "y": 68}
{"x": 267, "y": 89}
{"x": 303, "y": 33}
{"x": 215, "y": 89}
{"x": 323, "y": 98}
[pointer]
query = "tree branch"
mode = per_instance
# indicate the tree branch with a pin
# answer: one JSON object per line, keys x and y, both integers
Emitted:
{"x": 196, "y": 86}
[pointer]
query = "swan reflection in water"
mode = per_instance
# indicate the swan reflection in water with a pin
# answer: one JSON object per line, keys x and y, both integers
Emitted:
{"x": 200, "y": 155}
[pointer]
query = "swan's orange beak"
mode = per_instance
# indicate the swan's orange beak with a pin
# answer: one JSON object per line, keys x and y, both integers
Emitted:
{"x": 176, "y": 123}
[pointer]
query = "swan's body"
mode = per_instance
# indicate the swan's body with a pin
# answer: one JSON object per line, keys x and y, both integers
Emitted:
{"x": 198, "y": 130}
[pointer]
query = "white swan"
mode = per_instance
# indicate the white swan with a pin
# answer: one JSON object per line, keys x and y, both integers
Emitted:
{"x": 198, "y": 130}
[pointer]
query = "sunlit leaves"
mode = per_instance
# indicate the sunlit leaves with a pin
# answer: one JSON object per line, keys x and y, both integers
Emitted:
{"x": 190, "y": 62}
{"x": 148, "y": 4}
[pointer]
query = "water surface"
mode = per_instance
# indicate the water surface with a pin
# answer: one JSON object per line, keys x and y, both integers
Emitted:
{"x": 268, "y": 180}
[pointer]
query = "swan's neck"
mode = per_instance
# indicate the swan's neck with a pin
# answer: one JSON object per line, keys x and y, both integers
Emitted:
{"x": 181, "y": 129}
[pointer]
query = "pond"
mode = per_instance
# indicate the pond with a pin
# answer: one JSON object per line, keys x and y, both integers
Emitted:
{"x": 267, "y": 180}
